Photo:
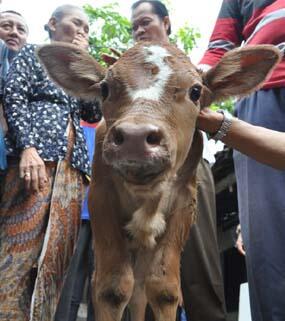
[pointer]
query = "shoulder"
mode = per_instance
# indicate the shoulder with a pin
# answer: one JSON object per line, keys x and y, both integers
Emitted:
{"x": 27, "y": 58}
{"x": 27, "y": 53}
{"x": 27, "y": 50}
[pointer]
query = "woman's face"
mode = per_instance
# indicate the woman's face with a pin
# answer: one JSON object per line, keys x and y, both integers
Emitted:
{"x": 13, "y": 31}
{"x": 147, "y": 25}
{"x": 73, "y": 28}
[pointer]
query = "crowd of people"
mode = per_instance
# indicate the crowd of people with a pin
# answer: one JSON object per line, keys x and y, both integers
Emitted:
{"x": 46, "y": 250}
{"x": 48, "y": 168}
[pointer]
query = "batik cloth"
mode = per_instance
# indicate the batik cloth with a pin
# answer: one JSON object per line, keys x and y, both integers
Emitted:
{"x": 38, "y": 233}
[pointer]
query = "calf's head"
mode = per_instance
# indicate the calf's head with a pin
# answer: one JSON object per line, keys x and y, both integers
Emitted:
{"x": 151, "y": 98}
{"x": 150, "y": 109}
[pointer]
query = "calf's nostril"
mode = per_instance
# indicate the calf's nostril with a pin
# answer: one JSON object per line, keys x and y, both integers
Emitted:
{"x": 118, "y": 137}
{"x": 133, "y": 136}
{"x": 153, "y": 138}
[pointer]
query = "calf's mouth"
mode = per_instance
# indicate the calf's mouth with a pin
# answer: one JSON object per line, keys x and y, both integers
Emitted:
{"x": 141, "y": 172}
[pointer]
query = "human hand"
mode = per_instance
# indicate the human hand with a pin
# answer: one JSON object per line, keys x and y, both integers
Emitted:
{"x": 110, "y": 59}
{"x": 81, "y": 42}
{"x": 209, "y": 120}
{"x": 32, "y": 170}
{"x": 239, "y": 242}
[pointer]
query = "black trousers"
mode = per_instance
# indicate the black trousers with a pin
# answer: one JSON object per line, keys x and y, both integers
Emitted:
{"x": 81, "y": 268}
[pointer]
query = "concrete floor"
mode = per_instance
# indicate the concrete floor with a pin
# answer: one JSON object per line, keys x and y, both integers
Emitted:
{"x": 82, "y": 314}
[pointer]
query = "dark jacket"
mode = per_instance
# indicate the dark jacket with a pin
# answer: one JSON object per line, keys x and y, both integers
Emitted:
{"x": 38, "y": 113}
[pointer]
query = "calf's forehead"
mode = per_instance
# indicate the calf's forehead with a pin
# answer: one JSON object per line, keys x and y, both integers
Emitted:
{"x": 147, "y": 70}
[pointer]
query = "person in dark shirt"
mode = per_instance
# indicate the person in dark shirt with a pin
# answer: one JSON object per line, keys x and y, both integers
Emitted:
{"x": 44, "y": 186}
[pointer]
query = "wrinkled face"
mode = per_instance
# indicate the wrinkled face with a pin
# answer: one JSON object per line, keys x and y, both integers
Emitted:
{"x": 13, "y": 31}
{"x": 146, "y": 25}
{"x": 73, "y": 24}
{"x": 151, "y": 102}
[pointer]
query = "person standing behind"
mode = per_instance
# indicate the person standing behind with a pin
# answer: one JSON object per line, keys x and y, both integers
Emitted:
{"x": 260, "y": 188}
{"x": 201, "y": 277}
{"x": 44, "y": 186}
{"x": 13, "y": 35}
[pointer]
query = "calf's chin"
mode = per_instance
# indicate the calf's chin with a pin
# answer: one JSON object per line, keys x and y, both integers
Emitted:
{"x": 140, "y": 169}
{"x": 142, "y": 172}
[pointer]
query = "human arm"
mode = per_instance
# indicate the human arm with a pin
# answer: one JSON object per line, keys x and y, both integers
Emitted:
{"x": 226, "y": 34}
{"x": 262, "y": 144}
{"x": 16, "y": 102}
{"x": 18, "y": 90}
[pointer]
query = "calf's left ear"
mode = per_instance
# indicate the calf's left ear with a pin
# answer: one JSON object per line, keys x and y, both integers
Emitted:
{"x": 72, "y": 68}
{"x": 239, "y": 72}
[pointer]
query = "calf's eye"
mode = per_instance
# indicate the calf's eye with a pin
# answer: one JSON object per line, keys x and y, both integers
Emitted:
{"x": 195, "y": 93}
{"x": 104, "y": 90}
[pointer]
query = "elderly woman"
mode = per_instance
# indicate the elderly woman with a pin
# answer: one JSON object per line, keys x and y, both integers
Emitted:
{"x": 44, "y": 186}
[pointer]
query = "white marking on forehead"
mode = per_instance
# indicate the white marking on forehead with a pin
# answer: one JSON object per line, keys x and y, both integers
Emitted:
{"x": 154, "y": 55}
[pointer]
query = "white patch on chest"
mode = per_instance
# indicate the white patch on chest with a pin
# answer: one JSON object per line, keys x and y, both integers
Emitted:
{"x": 154, "y": 55}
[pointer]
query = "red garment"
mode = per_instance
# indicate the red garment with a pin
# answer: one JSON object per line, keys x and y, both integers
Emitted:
{"x": 85, "y": 124}
{"x": 252, "y": 22}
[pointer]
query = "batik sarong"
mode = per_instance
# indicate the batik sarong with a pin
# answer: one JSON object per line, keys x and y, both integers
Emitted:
{"x": 37, "y": 237}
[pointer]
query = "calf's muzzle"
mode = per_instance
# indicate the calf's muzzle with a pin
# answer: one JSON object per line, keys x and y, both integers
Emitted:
{"x": 138, "y": 151}
{"x": 137, "y": 140}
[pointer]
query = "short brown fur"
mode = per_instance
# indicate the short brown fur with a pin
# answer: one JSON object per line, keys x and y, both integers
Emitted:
{"x": 136, "y": 264}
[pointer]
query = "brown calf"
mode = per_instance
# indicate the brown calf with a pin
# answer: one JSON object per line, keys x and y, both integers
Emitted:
{"x": 143, "y": 194}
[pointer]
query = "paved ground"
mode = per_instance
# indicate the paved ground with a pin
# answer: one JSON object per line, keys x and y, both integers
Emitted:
{"x": 82, "y": 314}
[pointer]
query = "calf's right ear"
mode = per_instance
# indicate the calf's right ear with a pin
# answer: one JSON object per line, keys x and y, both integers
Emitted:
{"x": 73, "y": 69}
{"x": 239, "y": 72}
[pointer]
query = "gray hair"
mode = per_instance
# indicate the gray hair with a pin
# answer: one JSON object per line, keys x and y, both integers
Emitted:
{"x": 59, "y": 13}
{"x": 14, "y": 13}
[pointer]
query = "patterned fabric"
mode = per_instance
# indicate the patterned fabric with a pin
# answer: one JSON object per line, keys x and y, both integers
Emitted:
{"x": 37, "y": 230}
{"x": 38, "y": 112}
{"x": 253, "y": 22}
{"x": 3, "y": 160}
